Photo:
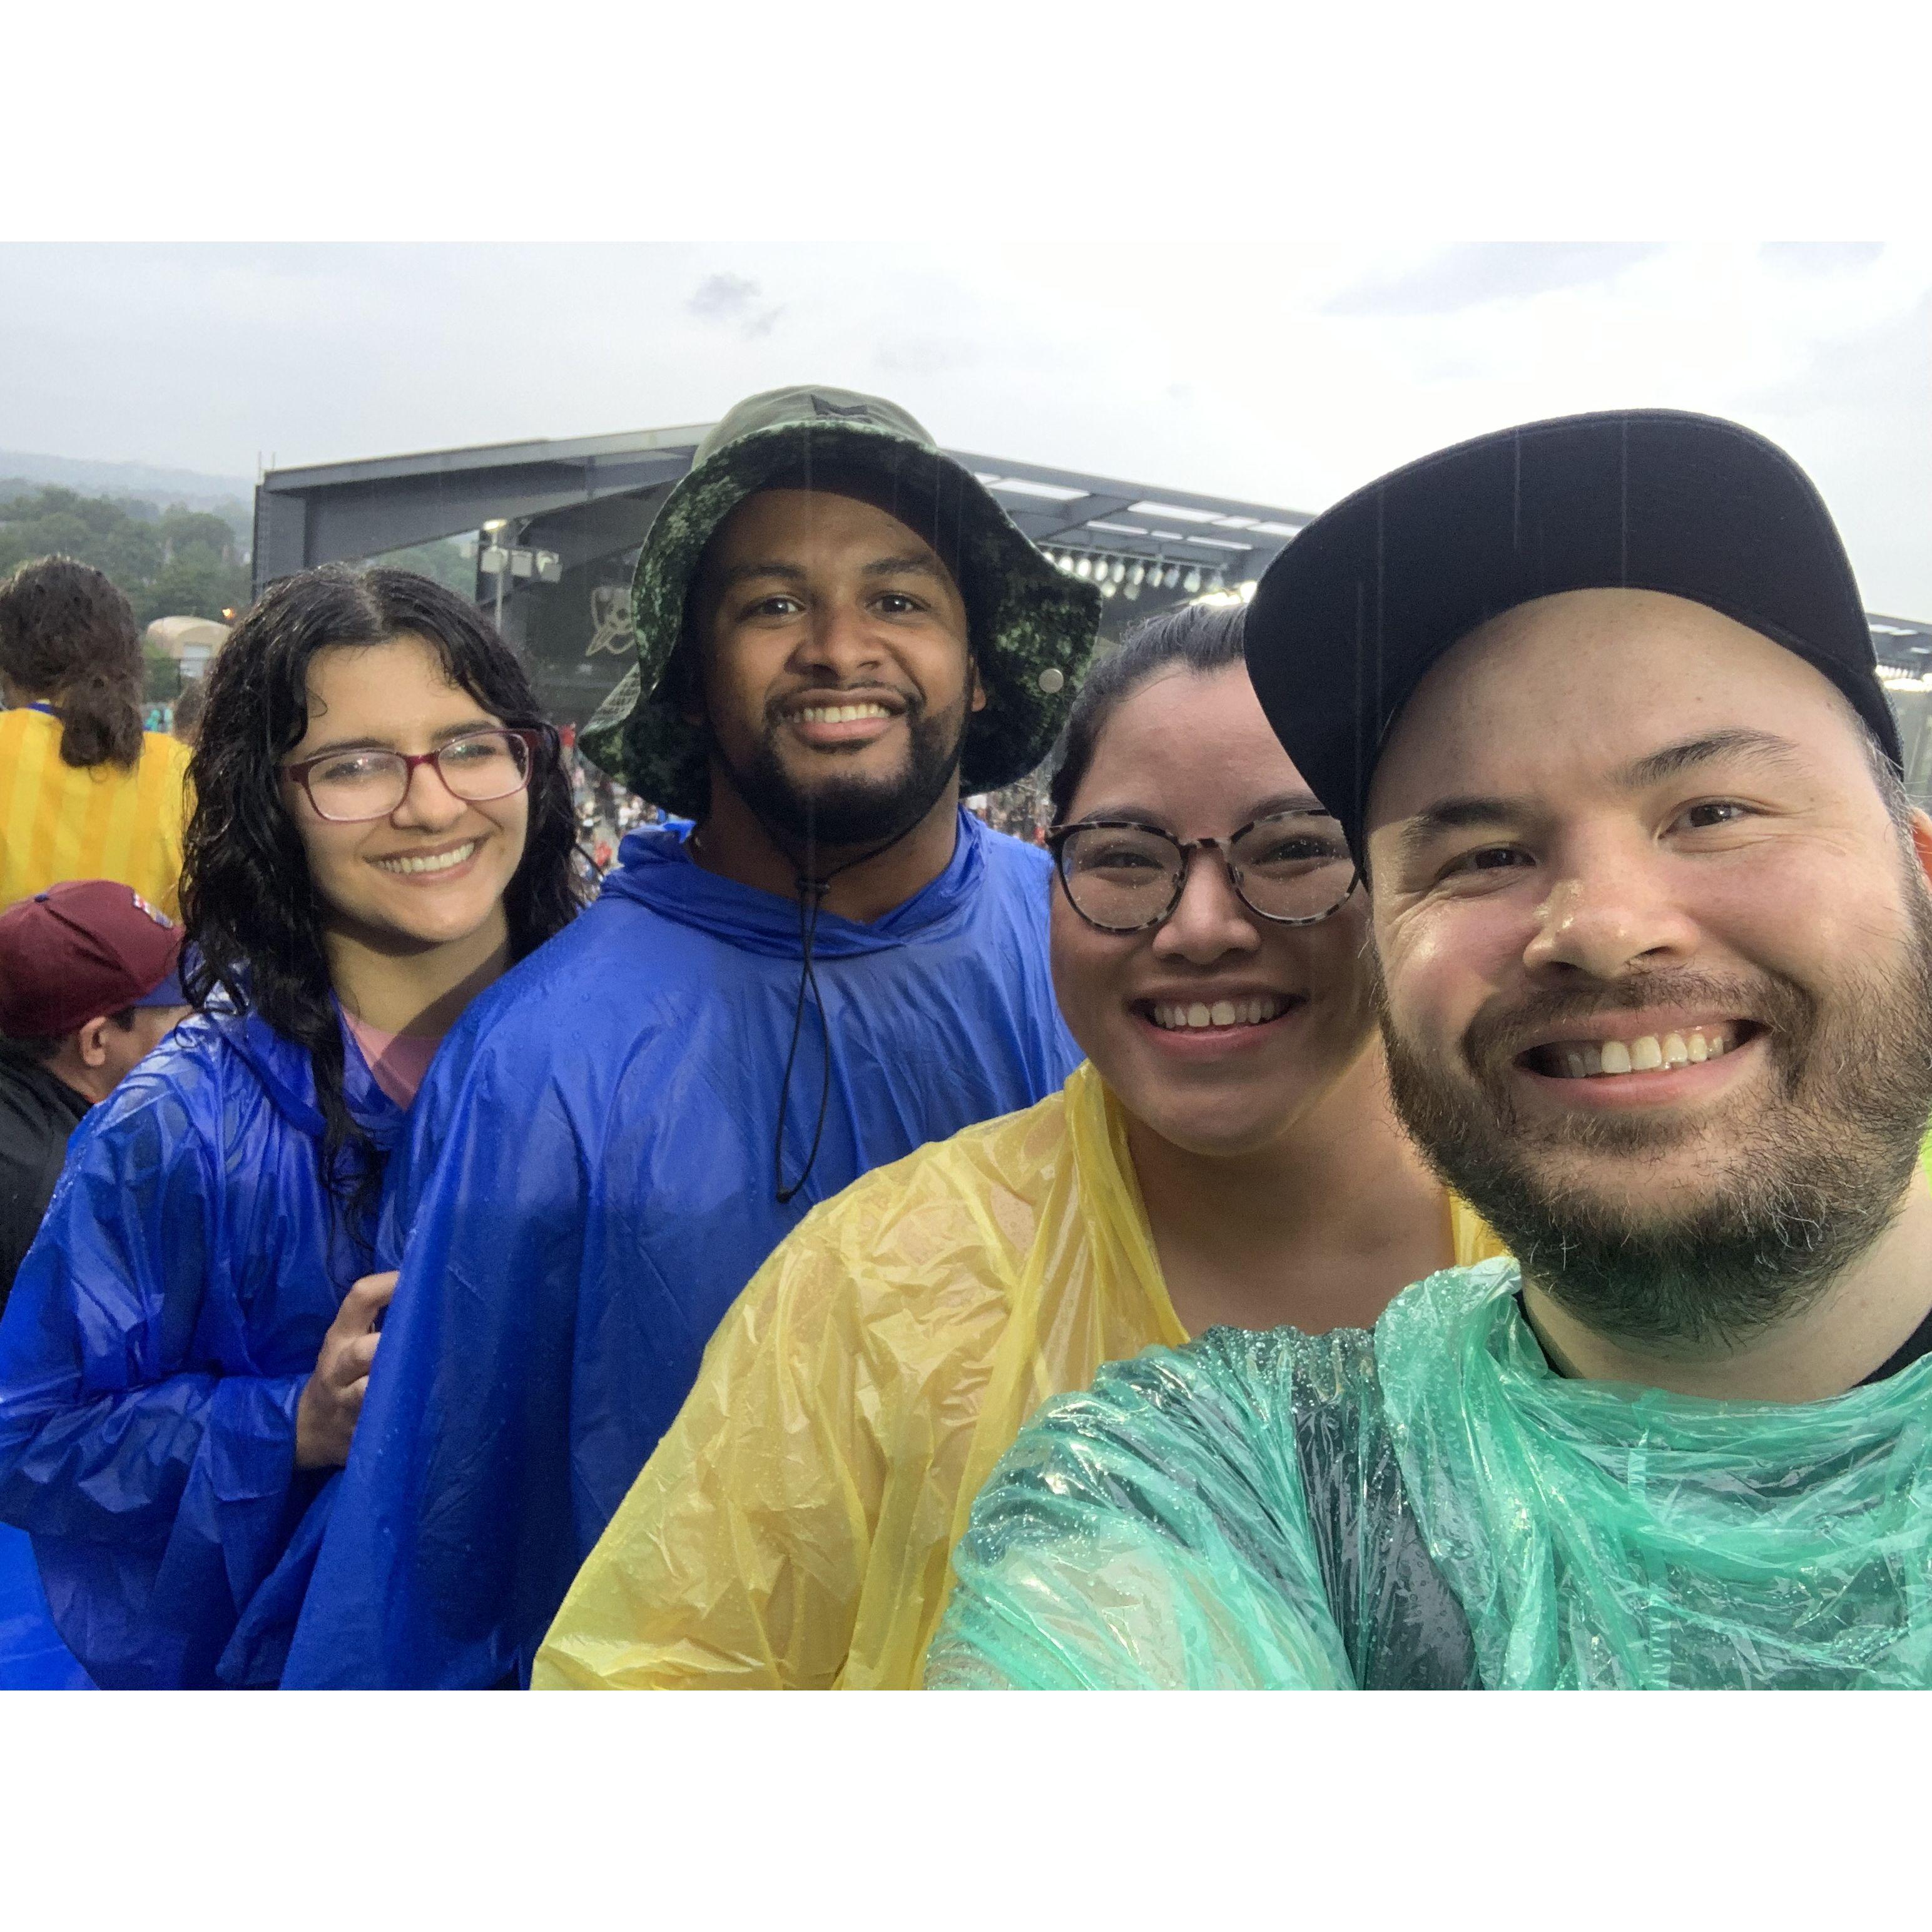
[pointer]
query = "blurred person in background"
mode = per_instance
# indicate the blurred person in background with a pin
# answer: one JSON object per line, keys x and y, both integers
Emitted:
{"x": 834, "y": 621}
{"x": 89, "y": 795}
{"x": 89, "y": 985}
{"x": 1227, "y": 1155}
{"x": 380, "y": 828}
{"x": 185, "y": 724}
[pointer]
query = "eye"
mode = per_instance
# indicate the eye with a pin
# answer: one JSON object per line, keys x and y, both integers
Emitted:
{"x": 898, "y": 604}
{"x": 1487, "y": 859}
{"x": 353, "y": 765}
{"x": 778, "y": 605}
{"x": 1713, "y": 812}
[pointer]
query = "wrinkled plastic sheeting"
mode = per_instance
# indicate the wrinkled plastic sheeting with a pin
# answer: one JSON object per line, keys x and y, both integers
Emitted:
{"x": 1435, "y": 1505}
{"x": 794, "y": 1528}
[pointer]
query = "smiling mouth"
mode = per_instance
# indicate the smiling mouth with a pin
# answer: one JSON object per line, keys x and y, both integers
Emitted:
{"x": 429, "y": 861}
{"x": 1204, "y": 1016}
{"x": 1649, "y": 1053}
{"x": 838, "y": 714}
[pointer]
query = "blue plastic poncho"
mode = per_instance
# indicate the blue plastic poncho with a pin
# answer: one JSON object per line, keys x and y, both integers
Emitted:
{"x": 588, "y": 1184}
{"x": 1431, "y": 1506}
{"x": 156, "y": 1344}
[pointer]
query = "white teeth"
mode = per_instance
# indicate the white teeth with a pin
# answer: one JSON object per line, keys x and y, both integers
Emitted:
{"x": 1173, "y": 1018}
{"x": 438, "y": 861}
{"x": 841, "y": 714}
{"x": 1581, "y": 1059}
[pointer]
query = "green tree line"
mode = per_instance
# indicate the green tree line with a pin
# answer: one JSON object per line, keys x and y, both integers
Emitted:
{"x": 170, "y": 563}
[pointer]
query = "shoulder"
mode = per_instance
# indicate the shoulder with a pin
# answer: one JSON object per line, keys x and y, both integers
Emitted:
{"x": 1015, "y": 859}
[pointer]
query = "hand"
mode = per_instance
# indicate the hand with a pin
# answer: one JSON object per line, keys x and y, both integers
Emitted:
{"x": 331, "y": 1399}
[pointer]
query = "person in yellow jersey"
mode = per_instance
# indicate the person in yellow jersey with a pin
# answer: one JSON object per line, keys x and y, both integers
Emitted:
{"x": 1227, "y": 1155}
{"x": 85, "y": 793}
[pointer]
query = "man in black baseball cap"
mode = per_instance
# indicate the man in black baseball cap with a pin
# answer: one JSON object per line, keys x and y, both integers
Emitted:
{"x": 1596, "y": 702}
{"x": 87, "y": 987}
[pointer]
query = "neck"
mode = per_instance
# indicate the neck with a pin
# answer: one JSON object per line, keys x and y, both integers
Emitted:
{"x": 1863, "y": 1317}
{"x": 1320, "y": 1228}
{"x": 419, "y": 990}
{"x": 733, "y": 842}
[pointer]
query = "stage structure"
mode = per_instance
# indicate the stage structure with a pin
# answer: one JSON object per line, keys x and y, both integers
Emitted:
{"x": 557, "y": 527}
{"x": 554, "y": 527}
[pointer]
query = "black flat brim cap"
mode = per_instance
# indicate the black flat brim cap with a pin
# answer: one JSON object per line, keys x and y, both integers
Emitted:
{"x": 1351, "y": 615}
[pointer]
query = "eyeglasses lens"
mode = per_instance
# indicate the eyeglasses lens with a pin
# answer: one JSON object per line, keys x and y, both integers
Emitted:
{"x": 1294, "y": 867}
{"x": 371, "y": 784}
{"x": 1120, "y": 876}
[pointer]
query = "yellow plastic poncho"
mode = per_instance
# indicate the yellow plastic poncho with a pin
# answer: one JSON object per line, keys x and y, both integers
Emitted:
{"x": 794, "y": 1528}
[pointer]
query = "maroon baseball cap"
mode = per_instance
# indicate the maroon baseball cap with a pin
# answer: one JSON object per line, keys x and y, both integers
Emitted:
{"x": 80, "y": 949}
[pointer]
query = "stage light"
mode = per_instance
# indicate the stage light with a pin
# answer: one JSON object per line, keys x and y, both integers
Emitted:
{"x": 1084, "y": 567}
{"x": 1137, "y": 576}
{"x": 1120, "y": 571}
{"x": 1191, "y": 584}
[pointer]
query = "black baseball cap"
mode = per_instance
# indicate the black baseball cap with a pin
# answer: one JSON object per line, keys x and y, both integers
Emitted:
{"x": 1351, "y": 615}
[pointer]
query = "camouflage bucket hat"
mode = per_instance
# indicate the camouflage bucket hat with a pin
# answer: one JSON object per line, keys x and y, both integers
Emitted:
{"x": 1033, "y": 629}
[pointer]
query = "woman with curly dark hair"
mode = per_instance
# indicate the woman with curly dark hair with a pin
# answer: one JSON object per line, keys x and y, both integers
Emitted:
{"x": 89, "y": 794}
{"x": 381, "y": 827}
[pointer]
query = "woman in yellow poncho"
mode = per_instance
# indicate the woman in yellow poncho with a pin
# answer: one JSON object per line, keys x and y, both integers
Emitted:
{"x": 1226, "y": 1156}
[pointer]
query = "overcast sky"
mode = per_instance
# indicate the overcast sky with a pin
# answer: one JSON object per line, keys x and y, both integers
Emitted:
{"x": 1288, "y": 381}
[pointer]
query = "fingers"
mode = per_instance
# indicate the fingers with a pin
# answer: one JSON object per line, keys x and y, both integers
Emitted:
{"x": 364, "y": 1302}
{"x": 350, "y": 1363}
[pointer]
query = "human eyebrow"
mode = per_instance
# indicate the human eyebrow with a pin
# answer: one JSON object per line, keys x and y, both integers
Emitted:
{"x": 1453, "y": 815}
{"x": 447, "y": 735}
{"x": 1288, "y": 801}
{"x": 734, "y": 574}
{"x": 1764, "y": 747}
{"x": 903, "y": 566}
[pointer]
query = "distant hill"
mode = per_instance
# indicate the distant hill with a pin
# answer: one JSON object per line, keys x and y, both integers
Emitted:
{"x": 193, "y": 489}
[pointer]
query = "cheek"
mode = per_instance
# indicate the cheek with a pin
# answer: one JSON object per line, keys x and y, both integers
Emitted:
{"x": 1439, "y": 964}
{"x": 1084, "y": 965}
{"x": 335, "y": 866}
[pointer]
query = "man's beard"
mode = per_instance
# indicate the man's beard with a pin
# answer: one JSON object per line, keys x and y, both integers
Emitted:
{"x": 1817, "y": 1170}
{"x": 844, "y": 812}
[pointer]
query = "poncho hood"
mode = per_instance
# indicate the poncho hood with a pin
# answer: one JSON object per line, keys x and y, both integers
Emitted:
{"x": 655, "y": 870}
{"x": 288, "y": 1078}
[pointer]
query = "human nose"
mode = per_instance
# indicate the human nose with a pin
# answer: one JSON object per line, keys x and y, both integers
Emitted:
{"x": 1210, "y": 921}
{"x": 1610, "y": 910}
{"x": 838, "y": 640}
{"x": 428, "y": 804}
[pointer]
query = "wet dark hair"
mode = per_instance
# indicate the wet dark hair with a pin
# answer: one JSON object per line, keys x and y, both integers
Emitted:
{"x": 1202, "y": 638}
{"x": 68, "y": 637}
{"x": 253, "y": 919}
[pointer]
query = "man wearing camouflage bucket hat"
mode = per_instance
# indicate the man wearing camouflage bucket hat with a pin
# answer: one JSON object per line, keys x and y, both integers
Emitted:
{"x": 837, "y": 627}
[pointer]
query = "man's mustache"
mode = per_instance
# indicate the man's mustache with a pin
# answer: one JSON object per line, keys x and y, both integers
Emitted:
{"x": 1495, "y": 1037}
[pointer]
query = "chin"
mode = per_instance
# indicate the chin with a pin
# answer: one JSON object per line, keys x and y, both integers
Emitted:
{"x": 1215, "y": 1132}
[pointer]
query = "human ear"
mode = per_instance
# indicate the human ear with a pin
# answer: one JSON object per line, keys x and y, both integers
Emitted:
{"x": 90, "y": 1041}
{"x": 1921, "y": 841}
{"x": 977, "y": 701}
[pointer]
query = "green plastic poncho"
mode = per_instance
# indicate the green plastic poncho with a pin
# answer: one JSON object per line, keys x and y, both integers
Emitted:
{"x": 1429, "y": 1505}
